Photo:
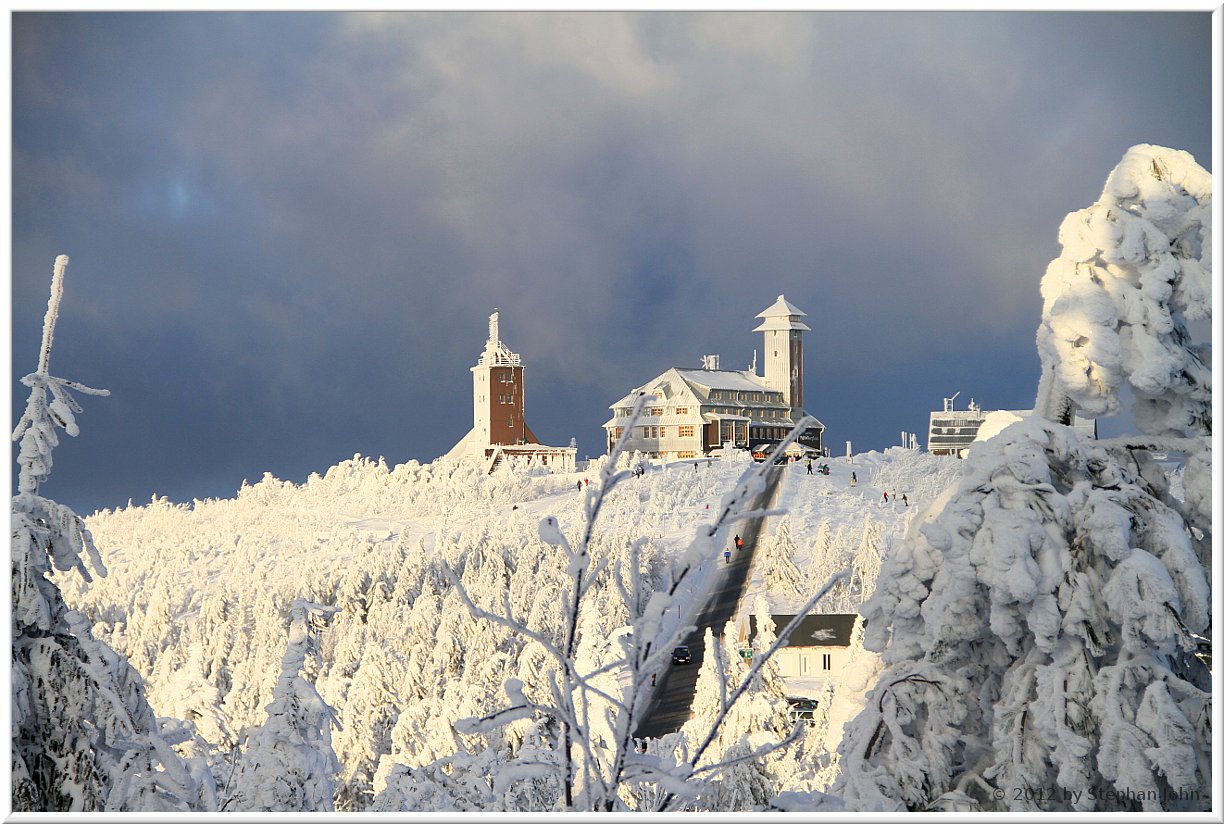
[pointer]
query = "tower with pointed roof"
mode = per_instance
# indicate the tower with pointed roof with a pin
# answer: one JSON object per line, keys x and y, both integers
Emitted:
{"x": 783, "y": 327}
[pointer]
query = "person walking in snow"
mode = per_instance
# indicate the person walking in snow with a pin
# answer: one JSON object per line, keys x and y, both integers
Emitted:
{"x": 853, "y": 478}
{"x": 809, "y": 466}
{"x": 580, "y": 486}
{"x": 727, "y": 554}
{"x": 885, "y": 496}
{"x": 905, "y": 498}
{"x": 739, "y": 542}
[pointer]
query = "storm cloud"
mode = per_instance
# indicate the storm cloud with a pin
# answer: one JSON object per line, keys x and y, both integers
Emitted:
{"x": 287, "y": 230}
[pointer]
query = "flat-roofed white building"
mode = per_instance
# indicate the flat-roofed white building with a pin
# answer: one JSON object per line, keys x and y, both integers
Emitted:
{"x": 690, "y": 411}
{"x": 953, "y": 431}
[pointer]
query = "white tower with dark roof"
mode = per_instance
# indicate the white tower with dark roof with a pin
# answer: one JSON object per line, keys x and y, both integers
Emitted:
{"x": 784, "y": 330}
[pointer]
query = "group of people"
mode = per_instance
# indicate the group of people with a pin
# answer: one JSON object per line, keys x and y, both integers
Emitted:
{"x": 739, "y": 544}
{"x": 821, "y": 469}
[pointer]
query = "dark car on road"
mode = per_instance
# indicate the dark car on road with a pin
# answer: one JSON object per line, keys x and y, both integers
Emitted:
{"x": 681, "y": 655}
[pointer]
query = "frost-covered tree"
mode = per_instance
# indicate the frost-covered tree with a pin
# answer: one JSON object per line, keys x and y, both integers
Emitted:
{"x": 1135, "y": 267}
{"x": 721, "y": 671}
{"x": 193, "y": 697}
{"x": 752, "y": 745}
{"x": 370, "y": 712}
{"x": 1039, "y": 627}
{"x": 84, "y": 736}
{"x": 776, "y": 564}
{"x": 288, "y": 764}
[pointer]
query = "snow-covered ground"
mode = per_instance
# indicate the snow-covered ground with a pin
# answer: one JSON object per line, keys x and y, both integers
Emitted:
{"x": 197, "y": 594}
{"x": 831, "y": 523}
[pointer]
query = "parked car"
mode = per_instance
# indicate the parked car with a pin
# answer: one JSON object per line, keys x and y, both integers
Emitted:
{"x": 681, "y": 655}
{"x": 801, "y": 709}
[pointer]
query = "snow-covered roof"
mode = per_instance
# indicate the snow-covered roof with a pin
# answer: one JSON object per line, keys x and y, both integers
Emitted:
{"x": 728, "y": 379}
{"x": 831, "y": 630}
{"x": 698, "y": 383}
{"x": 782, "y": 315}
{"x": 469, "y": 444}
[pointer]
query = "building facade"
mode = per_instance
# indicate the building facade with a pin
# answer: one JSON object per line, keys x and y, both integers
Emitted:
{"x": 690, "y": 412}
{"x": 816, "y": 653}
{"x": 953, "y": 431}
{"x": 499, "y": 424}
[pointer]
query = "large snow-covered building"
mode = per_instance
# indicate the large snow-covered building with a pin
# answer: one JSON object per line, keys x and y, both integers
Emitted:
{"x": 499, "y": 426}
{"x": 692, "y": 411}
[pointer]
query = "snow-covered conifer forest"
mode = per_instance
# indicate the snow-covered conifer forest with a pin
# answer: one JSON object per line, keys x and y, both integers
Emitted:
{"x": 430, "y": 637}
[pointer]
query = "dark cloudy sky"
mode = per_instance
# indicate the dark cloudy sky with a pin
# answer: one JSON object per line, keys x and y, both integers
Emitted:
{"x": 287, "y": 230}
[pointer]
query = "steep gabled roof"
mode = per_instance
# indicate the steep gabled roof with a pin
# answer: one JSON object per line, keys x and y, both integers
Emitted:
{"x": 676, "y": 384}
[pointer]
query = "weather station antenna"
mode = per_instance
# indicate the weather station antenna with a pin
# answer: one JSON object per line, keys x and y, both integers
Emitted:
{"x": 949, "y": 403}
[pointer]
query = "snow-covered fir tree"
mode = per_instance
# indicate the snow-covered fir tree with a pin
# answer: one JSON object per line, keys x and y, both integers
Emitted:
{"x": 763, "y": 748}
{"x": 1135, "y": 268}
{"x": 288, "y": 764}
{"x": 776, "y": 564}
{"x": 1039, "y": 626}
{"x": 84, "y": 736}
